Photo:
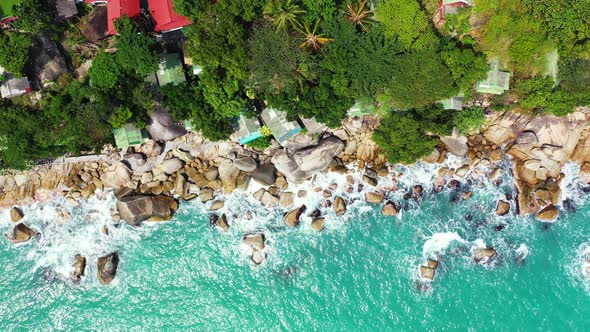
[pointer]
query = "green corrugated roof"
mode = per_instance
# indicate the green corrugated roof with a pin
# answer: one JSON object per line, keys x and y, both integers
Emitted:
{"x": 450, "y": 2}
{"x": 281, "y": 128}
{"x": 454, "y": 103}
{"x": 171, "y": 70}
{"x": 129, "y": 135}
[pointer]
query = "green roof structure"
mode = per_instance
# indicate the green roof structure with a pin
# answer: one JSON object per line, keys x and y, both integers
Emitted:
{"x": 359, "y": 109}
{"x": 281, "y": 128}
{"x": 248, "y": 129}
{"x": 453, "y": 103}
{"x": 171, "y": 70}
{"x": 497, "y": 82}
{"x": 129, "y": 135}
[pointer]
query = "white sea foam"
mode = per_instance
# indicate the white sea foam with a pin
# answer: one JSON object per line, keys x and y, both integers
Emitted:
{"x": 522, "y": 252}
{"x": 439, "y": 243}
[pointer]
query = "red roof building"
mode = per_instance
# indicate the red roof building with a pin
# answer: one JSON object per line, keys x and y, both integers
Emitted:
{"x": 118, "y": 8}
{"x": 165, "y": 17}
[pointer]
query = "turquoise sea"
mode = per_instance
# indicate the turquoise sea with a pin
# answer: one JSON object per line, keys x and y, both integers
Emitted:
{"x": 359, "y": 274}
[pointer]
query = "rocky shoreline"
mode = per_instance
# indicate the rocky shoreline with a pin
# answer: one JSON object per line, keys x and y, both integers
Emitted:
{"x": 150, "y": 180}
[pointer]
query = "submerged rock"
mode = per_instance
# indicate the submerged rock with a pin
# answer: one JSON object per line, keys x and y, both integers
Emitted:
{"x": 292, "y": 217}
{"x": 417, "y": 191}
{"x": 217, "y": 205}
{"x": 16, "y": 214}
{"x": 22, "y": 233}
{"x": 427, "y": 272}
{"x": 339, "y": 206}
{"x": 370, "y": 180}
{"x": 258, "y": 257}
{"x": 79, "y": 267}
{"x": 107, "y": 267}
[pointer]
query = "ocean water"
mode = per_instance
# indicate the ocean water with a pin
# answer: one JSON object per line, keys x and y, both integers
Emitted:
{"x": 359, "y": 274}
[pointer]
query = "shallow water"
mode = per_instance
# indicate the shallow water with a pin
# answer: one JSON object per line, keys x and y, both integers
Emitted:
{"x": 360, "y": 273}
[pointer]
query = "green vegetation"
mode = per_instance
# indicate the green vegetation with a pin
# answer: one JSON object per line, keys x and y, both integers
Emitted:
{"x": 261, "y": 143}
{"x": 14, "y": 52}
{"x": 6, "y": 7}
{"x": 310, "y": 58}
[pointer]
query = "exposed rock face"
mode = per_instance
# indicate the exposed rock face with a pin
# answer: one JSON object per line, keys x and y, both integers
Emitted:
{"x": 254, "y": 241}
{"x": 206, "y": 194}
{"x": 78, "y": 268}
{"x": 339, "y": 206}
{"x": 16, "y": 214}
{"x": 428, "y": 271}
{"x": 137, "y": 208}
{"x": 286, "y": 199}
{"x": 548, "y": 213}
{"x": 374, "y": 197}
{"x": 265, "y": 174}
{"x": 390, "y": 209}
{"x": 117, "y": 175}
{"x": 292, "y": 217}
{"x": 456, "y": 144}
{"x": 95, "y": 26}
{"x": 502, "y": 208}
{"x": 162, "y": 127}
{"x": 483, "y": 255}
{"x": 22, "y": 233}
{"x": 107, "y": 267}
{"x": 246, "y": 164}
{"x": 540, "y": 147}
{"x": 222, "y": 223}
{"x": 318, "y": 224}
{"x": 304, "y": 163}
{"x": 47, "y": 61}
{"x": 171, "y": 166}
{"x": 217, "y": 205}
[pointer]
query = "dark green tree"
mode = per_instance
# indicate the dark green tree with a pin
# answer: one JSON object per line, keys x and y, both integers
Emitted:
{"x": 136, "y": 52}
{"x": 34, "y": 16}
{"x": 14, "y": 52}
{"x": 406, "y": 21}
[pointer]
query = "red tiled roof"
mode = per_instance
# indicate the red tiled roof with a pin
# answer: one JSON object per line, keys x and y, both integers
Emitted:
{"x": 118, "y": 8}
{"x": 166, "y": 18}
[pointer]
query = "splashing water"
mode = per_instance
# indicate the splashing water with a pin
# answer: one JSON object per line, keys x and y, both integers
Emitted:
{"x": 359, "y": 273}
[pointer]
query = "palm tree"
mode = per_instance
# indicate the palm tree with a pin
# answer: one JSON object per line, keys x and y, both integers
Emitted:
{"x": 283, "y": 13}
{"x": 359, "y": 14}
{"x": 312, "y": 39}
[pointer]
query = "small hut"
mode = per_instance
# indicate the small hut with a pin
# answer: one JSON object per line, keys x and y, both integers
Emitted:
{"x": 453, "y": 103}
{"x": 497, "y": 82}
{"x": 12, "y": 86}
{"x": 129, "y": 135}
{"x": 281, "y": 128}
{"x": 248, "y": 129}
{"x": 171, "y": 70}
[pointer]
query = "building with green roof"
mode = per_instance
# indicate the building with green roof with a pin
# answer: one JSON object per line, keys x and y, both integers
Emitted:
{"x": 497, "y": 82}
{"x": 281, "y": 128}
{"x": 129, "y": 135}
{"x": 248, "y": 129}
{"x": 171, "y": 70}
{"x": 453, "y": 103}
{"x": 359, "y": 109}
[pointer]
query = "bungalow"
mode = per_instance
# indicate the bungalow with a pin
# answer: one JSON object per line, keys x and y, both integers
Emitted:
{"x": 12, "y": 86}
{"x": 164, "y": 16}
{"x": 116, "y": 9}
{"x": 281, "y": 128}
{"x": 66, "y": 8}
{"x": 449, "y": 7}
{"x": 453, "y": 103}
{"x": 248, "y": 129}
{"x": 360, "y": 109}
{"x": 171, "y": 71}
{"x": 129, "y": 135}
{"x": 497, "y": 81}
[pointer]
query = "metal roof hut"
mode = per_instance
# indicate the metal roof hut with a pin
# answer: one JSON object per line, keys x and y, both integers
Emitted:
{"x": 12, "y": 86}
{"x": 279, "y": 126}
{"x": 165, "y": 17}
{"x": 116, "y": 9}
{"x": 129, "y": 135}
{"x": 66, "y": 8}
{"x": 360, "y": 109}
{"x": 248, "y": 129}
{"x": 453, "y": 103}
{"x": 171, "y": 70}
{"x": 497, "y": 81}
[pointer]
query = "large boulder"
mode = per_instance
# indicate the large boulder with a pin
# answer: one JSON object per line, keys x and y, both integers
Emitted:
{"x": 265, "y": 174}
{"x": 305, "y": 162}
{"x": 502, "y": 208}
{"x": 22, "y": 233}
{"x": 318, "y": 224}
{"x": 170, "y": 166}
{"x": 254, "y": 241}
{"x": 292, "y": 217}
{"x": 339, "y": 206}
{"x": 116, "y": 176}
{"x": 483, "y": 255}
{"x": 222, "y": 223}
{"x": 78, "y": 268}
{"x": 137, "y": 208}
{"x": 228, "y": 174}
{"x": 246, "y": 164}
{"x": 107, "y": 267}
{"x": 390, "y": 209}
{"x": 16, "y": 214}
{"x": 94, "y": 27}
{"x": 47, "y": 61}
{"x": 548, "y": 213}
{"x": 162, "y": 127}
{"x": 374, "y": 197}
{"x": 456, "y": 144}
